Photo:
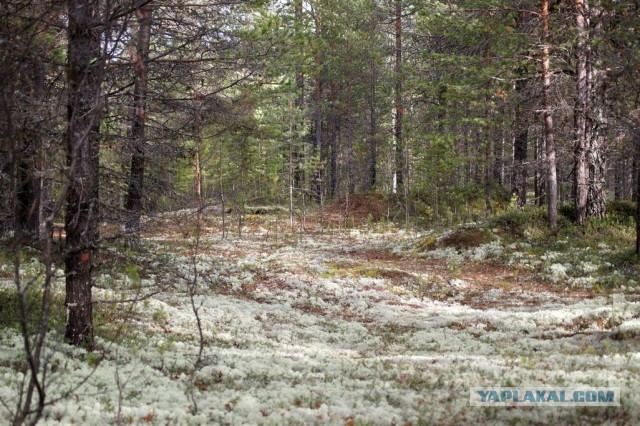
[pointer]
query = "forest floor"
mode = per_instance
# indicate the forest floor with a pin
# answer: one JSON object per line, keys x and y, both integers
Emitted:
{"x": 371, "y": 325}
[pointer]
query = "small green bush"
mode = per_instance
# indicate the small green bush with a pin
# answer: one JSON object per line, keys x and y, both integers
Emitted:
{"x": 623, "y": 208}
{"x": 10, "y": 310}
{"x": 568, "y": 211}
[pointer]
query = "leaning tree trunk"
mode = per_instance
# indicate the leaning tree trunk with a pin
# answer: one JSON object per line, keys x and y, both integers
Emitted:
{"x": 552, "y": 179}
{"x": 81, "y": 220}
{"x": 140, "y": 56}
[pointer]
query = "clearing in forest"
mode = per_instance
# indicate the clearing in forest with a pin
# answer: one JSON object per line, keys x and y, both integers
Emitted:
{"x": 346, "y": 327}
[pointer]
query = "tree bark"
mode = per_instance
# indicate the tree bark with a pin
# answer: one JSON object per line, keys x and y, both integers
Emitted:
{"x": 520, "y": 144}
{"x": 318, "y": 148}
{"x": 197, "y": 165}
{"x": 521, "y": 124}
{"x": 140, "y": 58}
{"x": 549, "y": 136}
{"x": 582, "y": 125}
{"x": 637, "y": 196}
{"x": 598, "y": 121}
{"x": 83, "y": 146}
{"x": 373, "y": 125}
{"x": 298, "y": 150}
{"x": 333, "y": 130}
{"x": 398, "y": 106}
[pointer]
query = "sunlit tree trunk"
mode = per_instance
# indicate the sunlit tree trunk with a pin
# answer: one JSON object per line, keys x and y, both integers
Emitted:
{"x": 598, "y": 120}
{"x": 582, "y": 124}
{"x": 549, "y": 136}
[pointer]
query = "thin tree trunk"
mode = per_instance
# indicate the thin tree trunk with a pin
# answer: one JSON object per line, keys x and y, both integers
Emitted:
{"x": 488, "y": 145}
{"x": 521, "y": 124}
{"x": 140, "y": 56}
{"x": 398, "y": 105}
{"x": 520, "y": 145}
{"x": 488, "y": 172}
{"x": 197, "y": 166}
{"x": 332, "y": 143}
{"x": 318, "y": 190}
{"x": 549, "y": 136}
{"x": 83, "y": 146}
{"x": 298, "y": 153}
{"x": 373, "y": 127}
{"x": 290, "y": 165}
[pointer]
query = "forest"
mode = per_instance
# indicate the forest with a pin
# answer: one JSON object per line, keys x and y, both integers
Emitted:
{"x": 317, "y": 211}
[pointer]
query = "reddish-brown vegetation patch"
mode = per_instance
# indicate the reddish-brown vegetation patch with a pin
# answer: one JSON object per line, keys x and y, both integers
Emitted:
{"x": 466, "y": 238}
{"x": 356, "y": 209}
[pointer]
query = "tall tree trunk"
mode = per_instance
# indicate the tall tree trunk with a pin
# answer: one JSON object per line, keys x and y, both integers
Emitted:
{"x": 351, "y": 178}
{"x": 488, "y": 144}
{"x": 398, "y": 106}
{"x": 637, "y": 196}
{"x": 520, "y": 144}
{"x": 596, "y": 197}
{"x": 373, "y": 126}
{"x": 332, "y": 146}
{"x": 318, "y": 187}
{"x": 521, "y": 122}
{"x": 197, "y": 163}
{"x": 333, "y": 127}
{"x": 298, "y": 150}
{"x": 30, "y": 76}
{"x": 549, "y": 136}
{"x": 140, "y": 58}
{"x": 290, "y": 162}
{"x": 582, "y": 124}
{"x": 83, "y": 147}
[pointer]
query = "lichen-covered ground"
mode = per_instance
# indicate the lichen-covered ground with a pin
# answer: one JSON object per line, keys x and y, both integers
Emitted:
{"x": 350, "y": 327}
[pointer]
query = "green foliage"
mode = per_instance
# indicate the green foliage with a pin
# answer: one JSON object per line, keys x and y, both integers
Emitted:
{"x": 621, "y": 211}
{"x": 568, "y": 211}
{"x": 516, "y": 224}
{"x": 10, "y": 310}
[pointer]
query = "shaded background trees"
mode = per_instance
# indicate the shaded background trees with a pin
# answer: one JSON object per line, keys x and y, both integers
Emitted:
{"x": 114, "y": 112}
{"x": 452, "y": 110}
